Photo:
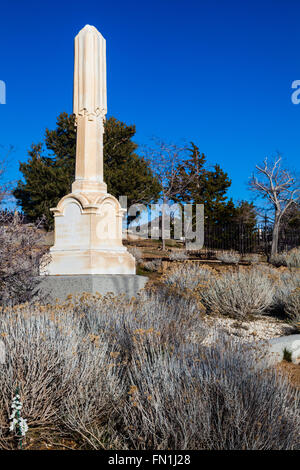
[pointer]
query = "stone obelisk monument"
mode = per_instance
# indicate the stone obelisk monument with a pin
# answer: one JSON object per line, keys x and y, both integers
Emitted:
{"x": 88, "y": 221}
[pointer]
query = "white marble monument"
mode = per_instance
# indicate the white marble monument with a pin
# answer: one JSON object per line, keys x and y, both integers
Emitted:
{"x": 88, "y": 221}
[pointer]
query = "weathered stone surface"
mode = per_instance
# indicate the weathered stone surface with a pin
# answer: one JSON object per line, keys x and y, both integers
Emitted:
{"x": 276, "y": 346}
{"x": 59, "y": 287}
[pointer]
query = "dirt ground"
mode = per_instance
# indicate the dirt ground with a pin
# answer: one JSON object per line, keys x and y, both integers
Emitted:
{"x": 292, "y": 371}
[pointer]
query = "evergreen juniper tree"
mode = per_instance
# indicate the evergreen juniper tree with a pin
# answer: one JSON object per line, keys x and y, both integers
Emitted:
{"x": 208, "y": 187}
{"x": 47, "y": 178}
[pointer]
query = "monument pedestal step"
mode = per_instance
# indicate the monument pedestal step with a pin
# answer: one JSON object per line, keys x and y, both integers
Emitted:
{"x": 89, "y": 262}
{"x": 59, "y": 287}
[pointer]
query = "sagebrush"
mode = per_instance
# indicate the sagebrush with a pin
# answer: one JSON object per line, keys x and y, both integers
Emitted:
{"x": 291, "y": 258}
{"x": 178, "y": 256}
{"x": 122, "y": 374}
{"x": 239, "y": 293}
{"x": 229, "y": 257}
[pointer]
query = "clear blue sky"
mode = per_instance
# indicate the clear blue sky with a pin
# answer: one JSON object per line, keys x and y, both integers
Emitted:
{"x": 216, "y": 72}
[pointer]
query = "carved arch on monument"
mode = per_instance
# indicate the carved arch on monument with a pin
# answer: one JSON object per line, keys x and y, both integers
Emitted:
{"x": 77, "y": 199}
{"x": 108, "y": 198}
{"x": 109, "y": 220}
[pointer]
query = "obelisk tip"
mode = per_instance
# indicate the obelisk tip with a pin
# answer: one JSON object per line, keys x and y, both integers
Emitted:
{"x": 89, "y": 29}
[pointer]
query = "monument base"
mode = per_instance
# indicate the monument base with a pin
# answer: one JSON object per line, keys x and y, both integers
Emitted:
{"x": 58, "y": 287}
{"x": 89, "y": 262}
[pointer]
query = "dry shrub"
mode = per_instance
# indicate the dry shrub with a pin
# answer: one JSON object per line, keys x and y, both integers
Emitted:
{"x": 248, "y": 291}
{"x": 286, "y": 291}
{"x": 68, "y": 359}
{"x": 252, "y": 258}
{"x": 268, "y": 270}
{"x": 189, "y": 276}
{"x": 291, "y": 258}
{"x": 292, "y": 306}
{"x": 153, "y": 265}
{"x": 239, "y": 294}
{"x": 286, "y": 283}
{"x": 208, "y": 399}
{"x": 21, "y": 253}
{"x": 136, "y": 253}
{"x": 229, "y": 257}
{"x": 92, "y": 403}
{"x": 66, "y": 375}
{"x": 124, "y": 375}
{"x": 278, "y": 260}
{"x": 164, "y": 321}
{"x": 37, "y": 347}
{"x": 173, "y": 316}
{"x": 178, "y": 256}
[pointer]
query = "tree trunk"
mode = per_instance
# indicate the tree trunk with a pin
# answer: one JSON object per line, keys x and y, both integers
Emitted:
{"x": 275, "y": 236}
{"x": 163, "y": 226}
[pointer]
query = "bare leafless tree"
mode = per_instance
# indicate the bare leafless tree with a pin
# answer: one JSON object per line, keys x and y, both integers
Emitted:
{"x": 280, "y": 188}
{"x": 166, "y": 161}
{"x": 22, "y": 252}
{"x": 5, "y": 186}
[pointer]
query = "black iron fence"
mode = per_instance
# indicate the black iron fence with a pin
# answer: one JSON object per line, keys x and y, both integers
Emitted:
{"x": 242, "y": 238}
{"x": 247, "y": 239}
